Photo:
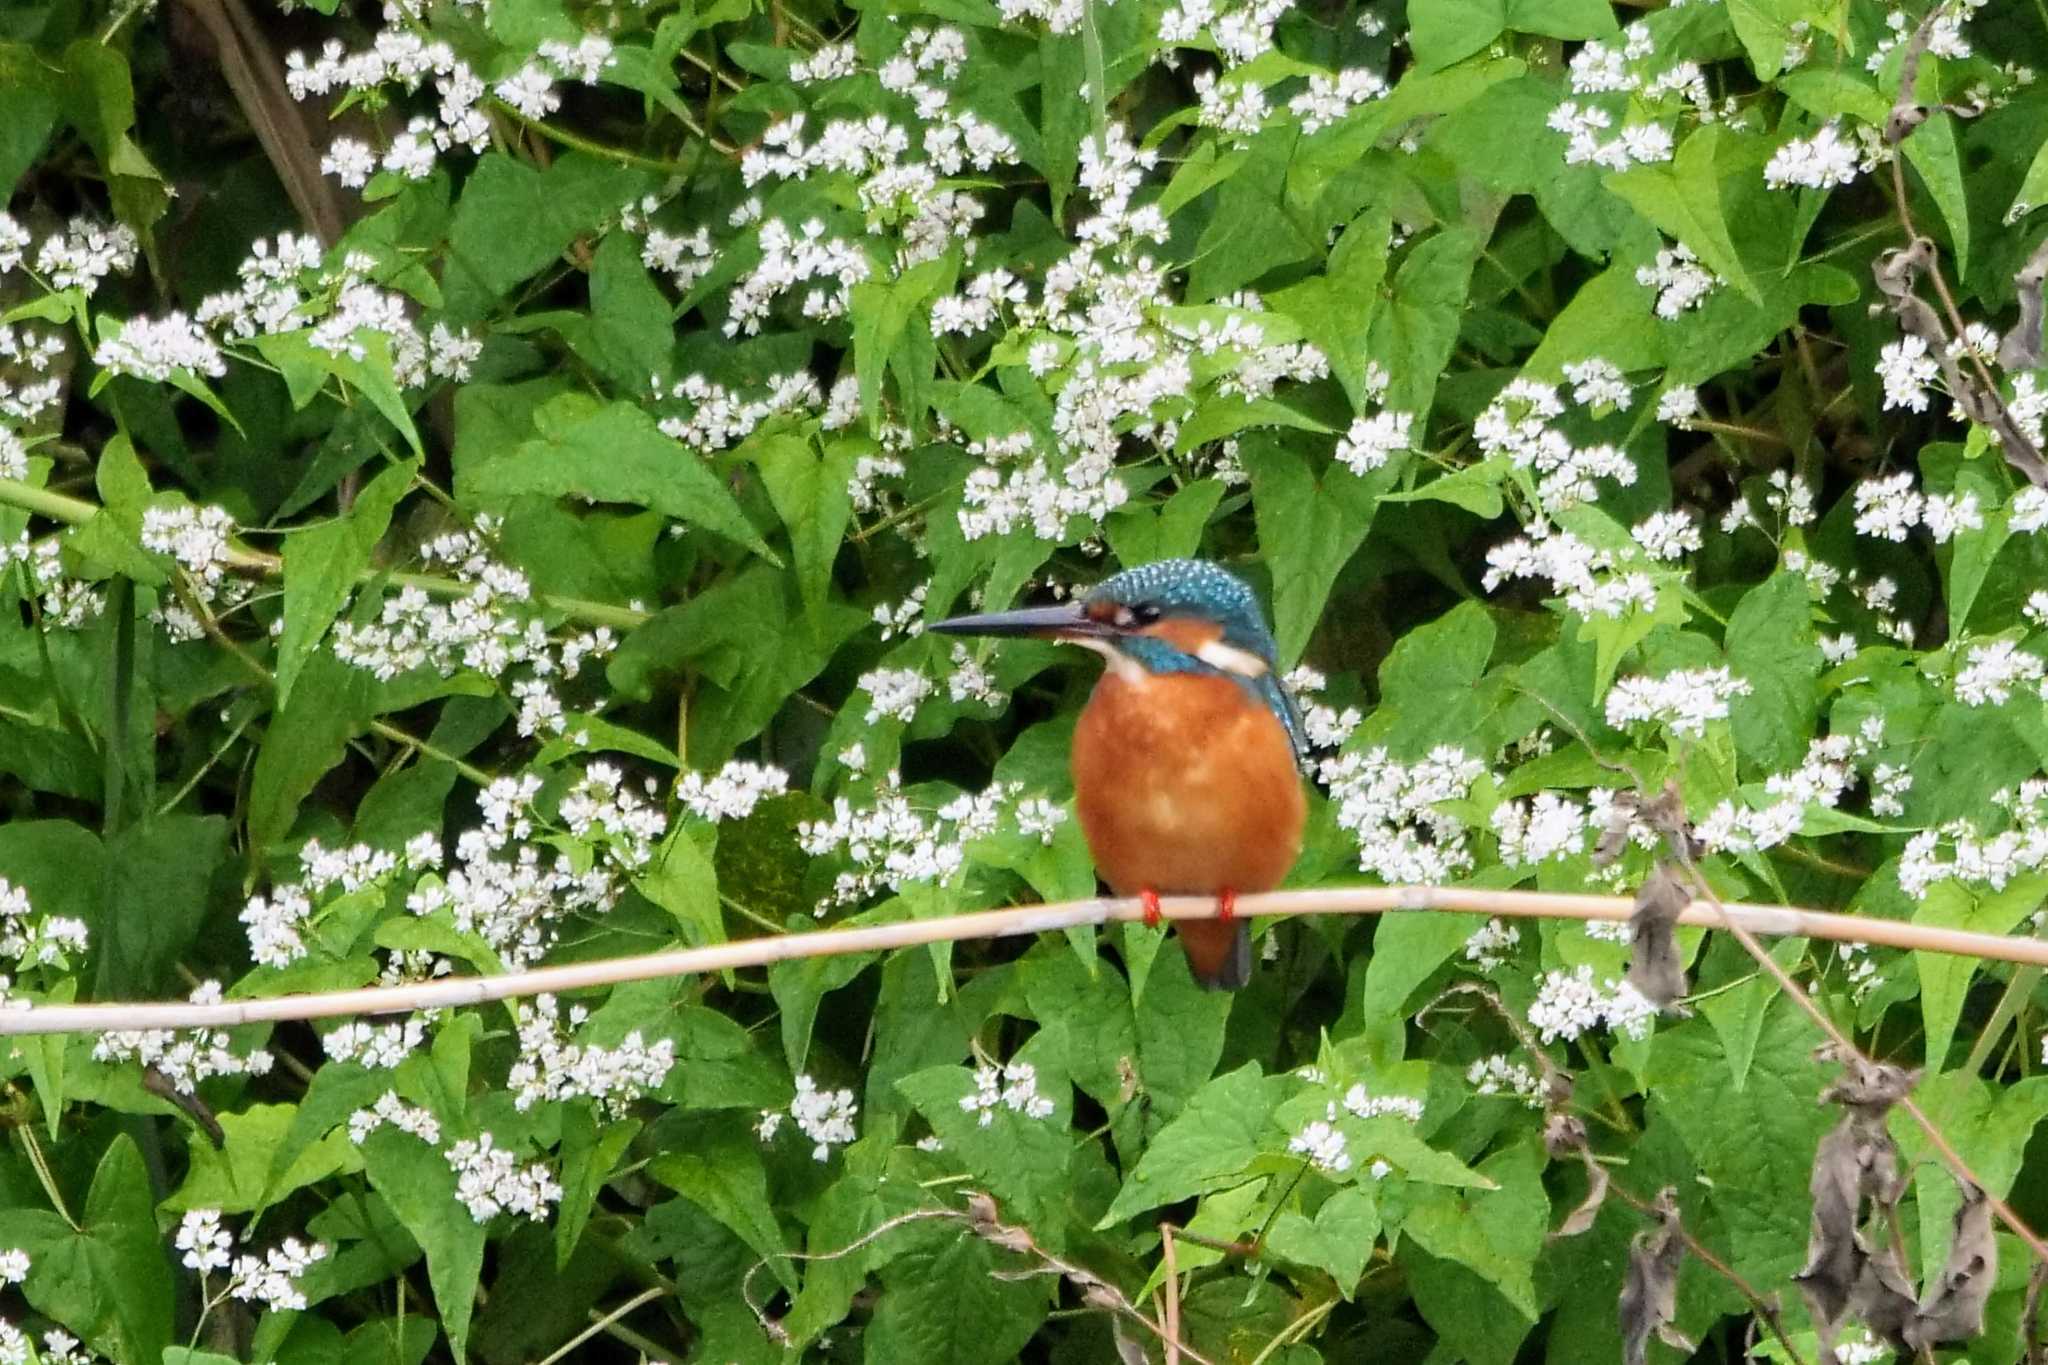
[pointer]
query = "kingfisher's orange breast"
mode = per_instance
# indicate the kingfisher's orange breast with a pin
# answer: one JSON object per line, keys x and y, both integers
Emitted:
{"x": 1185, "y": 784}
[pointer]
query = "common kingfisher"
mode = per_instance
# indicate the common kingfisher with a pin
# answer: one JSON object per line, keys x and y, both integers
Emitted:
{"x": 1187, "y": 758}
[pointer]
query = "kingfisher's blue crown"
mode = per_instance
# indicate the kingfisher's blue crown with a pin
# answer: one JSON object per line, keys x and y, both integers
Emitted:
{"x": 1195, "y": 588}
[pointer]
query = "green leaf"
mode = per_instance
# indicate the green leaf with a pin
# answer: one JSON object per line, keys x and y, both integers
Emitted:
{"x": 512, "y": 220}
{"x": 1141, "y": 533}
{"x": 1448, "y": 31}
{"x": 1932, "y": 151}
{"x": 1019, "y": 1159}
{"x": 682, "y": 881}
{"x": 1771, "y": 645}
{"x": 158, "y": 879}
{"x": 1336, "y": 308}
{"x": 1413, "y": 334}
{"x": 612, "y": 452}
{"x": 809, "y": 493}
{"x": 321, "y": 565}
{"x": 1752, "y": 1144}
{"x": 1207, "y": 1147}
{"x": 1339, "y": 1239}
{"x": 107, "y": 1280}
{"x": 236, "y": 1178}
{"x": 589, "y": 1155}
{"x": 1945, "y": 977}
{"x": 420, "y": 1186}
{"x": 305, "y": 740}
{"x": 1406, "y": 951}
{"x": 720, "y": 1172}
{"x": 1496, "y": 1232}
{"x": 949, "y": 1300}
{"x": 1309, "y": 527}
{"x": 1685, "y": 202}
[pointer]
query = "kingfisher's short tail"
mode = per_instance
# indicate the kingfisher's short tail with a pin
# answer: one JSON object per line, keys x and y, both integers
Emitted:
{"x": 1219, "y": 952}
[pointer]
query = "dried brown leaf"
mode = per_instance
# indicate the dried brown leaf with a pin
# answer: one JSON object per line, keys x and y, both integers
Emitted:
{"x": 1655, "y": 967}
{"x": 2020, "y": 349}
{"x": 1649, "y": 1290}
{"x": 1953, "y": 1307}
{"x": 1581, "y": 1219}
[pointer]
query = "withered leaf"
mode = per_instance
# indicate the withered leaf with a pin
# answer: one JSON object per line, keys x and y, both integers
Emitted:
{"x": 1953, "y": 1307}
{"x": 1883, "y": 1298}
{"x": 1581, "y": 1218}
{"x": 1649, "y": 1290}
{"x": 1856, "y": 1160}
{"x": 1654, "y": 967}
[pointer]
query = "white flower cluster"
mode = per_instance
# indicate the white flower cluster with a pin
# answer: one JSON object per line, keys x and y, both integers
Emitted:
{"x": 1362, "y": 1103}
{"x": 1325, "y": 726}
{"x": 1518, "y": 424}
{"x": 390, "y": 1109}
{"x": 1668, "y": 535}
{"x": 1329, "y": 98}
{"x": 1583, "y": 576}
{"x": 1889, "y": 509}
{"x": 892, "y": 843}
{"x": 718, "y": 418}
{"x": 1977, "y": 859}
{"x": 1014, "y": 1087}
{"x": 493, "y": 628}
{"x": 1390, "y": 808}
{"x": 1907, "y": 369}
{"x": 29, "y": 350}
{"x": 1568, "y": 1004}
{"x": 1681, "y": 282}
{"x": 1488, "y": 946}
{"x": 400, "y": 57}
{"x": 895, "y": 693}
{"x": 1995, "y": 671}
{"x": 1533, "y": 829}
{"x": 155, "y": 349}
{"x": 500, "y": 887}
{"x": 1324, "y": 1146}
{"x": 1373, "y": 441}
{"x": 271, "y": 1280}
{"x": 279, "y": 921}
{"x": 1825, "y": 161}
{"x": 76, "y": 256}
{"x": 825, "y": 1117}
{"x": 552, "y": 1068}
{"x": 1238, "y": 31}
{"x": 1685, "y": 699}
{"x": 183, "y": 1057}
{"x": 377, "y": 1047}
{"x": 65, "y": 603}
{"x": 1823, "y": 779}
{"x": 489, "y": 1181}
{"x": 27, "y": 942}
{"x": 197, "y": 537}
{"x": 1502, "y": 1075}
{"x": 732, "y": 792}
{"x": 283, "y": 289}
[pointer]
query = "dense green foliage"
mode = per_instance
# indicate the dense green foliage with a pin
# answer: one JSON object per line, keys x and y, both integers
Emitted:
{"x": 472, "y": 479}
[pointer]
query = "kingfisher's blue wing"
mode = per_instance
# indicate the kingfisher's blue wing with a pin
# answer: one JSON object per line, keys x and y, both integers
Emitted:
{"x": 1268, "y": 690}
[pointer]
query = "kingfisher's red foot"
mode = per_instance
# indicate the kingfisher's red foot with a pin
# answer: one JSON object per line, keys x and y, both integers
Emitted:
{"x": 1149, "y": 899}
{"x": 1226, "y": 904}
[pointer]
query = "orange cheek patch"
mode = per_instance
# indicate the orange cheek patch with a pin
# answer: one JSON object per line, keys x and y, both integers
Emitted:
{"x": 1185, "y": 635}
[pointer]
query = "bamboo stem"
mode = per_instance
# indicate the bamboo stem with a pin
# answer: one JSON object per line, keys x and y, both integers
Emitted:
{"x": 1029, "y": 919}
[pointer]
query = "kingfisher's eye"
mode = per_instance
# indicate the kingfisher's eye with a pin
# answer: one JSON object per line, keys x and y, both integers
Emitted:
{"x": 1143, "y": 613}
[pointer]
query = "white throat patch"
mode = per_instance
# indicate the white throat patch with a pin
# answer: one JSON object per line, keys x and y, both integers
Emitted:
{"x": 1231, "y": 659}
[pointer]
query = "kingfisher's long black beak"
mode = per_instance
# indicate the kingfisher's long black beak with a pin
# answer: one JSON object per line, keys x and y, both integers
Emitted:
{"x": 1068, "y": 621}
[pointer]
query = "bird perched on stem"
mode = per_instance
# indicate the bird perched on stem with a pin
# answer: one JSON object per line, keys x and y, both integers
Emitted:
{"x": 1187, "y": 757}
